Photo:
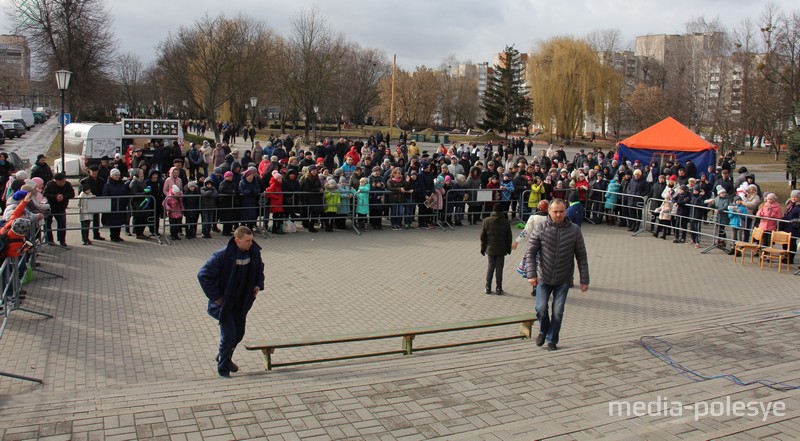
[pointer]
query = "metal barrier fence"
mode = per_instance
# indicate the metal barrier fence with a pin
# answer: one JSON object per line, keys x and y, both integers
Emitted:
{"x": 12, "y": 272}
{"x": 441, "y": 210}
{"x": 132, "y": 212}
{"x": 705, "y": 222}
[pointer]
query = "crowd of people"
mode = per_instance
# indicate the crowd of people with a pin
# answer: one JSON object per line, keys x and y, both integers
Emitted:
{"x": 342, "y": 183}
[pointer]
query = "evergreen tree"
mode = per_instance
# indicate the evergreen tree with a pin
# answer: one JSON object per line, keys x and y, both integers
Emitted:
{"x": 506, "y": 101}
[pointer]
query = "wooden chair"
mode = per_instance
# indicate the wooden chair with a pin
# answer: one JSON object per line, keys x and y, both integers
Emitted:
{"x": 770, "y": 253}
{"x": 753, "y": 246}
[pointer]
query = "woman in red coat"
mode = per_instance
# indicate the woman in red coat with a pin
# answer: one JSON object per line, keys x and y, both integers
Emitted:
{"x": 275, "y": 197}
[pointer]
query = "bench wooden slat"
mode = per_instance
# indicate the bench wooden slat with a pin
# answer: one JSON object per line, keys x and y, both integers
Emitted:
{"x": 267, "y": 347}
{"x": 376, "y": 335}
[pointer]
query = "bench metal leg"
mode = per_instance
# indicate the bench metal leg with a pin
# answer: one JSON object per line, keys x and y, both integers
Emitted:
{"x": 268, "y": 358}
{"x": 525, "y": 328}
{"x": 408, "y": 344}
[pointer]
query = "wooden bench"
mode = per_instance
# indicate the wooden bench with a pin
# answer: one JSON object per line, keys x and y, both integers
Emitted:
{"x": 267, "y": 347}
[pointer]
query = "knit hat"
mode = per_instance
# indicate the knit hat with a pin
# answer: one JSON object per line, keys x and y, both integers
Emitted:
{"x": 19, "y": 195}
{"x": 737, "y": 198}
{"x": 249, "y": 172}
{"x": 673, "y": 178}
{"x": 721, "y": 189}
{"x": 543, "y": 205}
{"x": 795, "y": 194}
{"x": 312, "y": 167}
{"x": 228, "y": 174}
{"x": 276, "y": 175}
{"x": 192, "y": 184}
{"x": 21, "y": 226}
{"x": 115, "y": 172}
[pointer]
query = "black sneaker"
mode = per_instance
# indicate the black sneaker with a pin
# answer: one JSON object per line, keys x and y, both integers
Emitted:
{"x": 540, "y": 339}
{"x": 552, "y": 347}
{"x": 500, "y": 291}
{"x": 233, "y": 367}
{"x": 488, "y": 290}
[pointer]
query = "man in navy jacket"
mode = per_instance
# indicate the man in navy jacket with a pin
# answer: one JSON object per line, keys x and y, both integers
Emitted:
{"x": 231, "y": 279}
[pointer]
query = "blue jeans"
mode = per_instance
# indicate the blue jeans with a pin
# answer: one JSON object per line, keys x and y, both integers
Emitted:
{"x": 550, "y": 326}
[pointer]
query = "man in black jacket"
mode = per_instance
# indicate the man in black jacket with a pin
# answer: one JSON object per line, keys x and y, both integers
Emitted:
{"x": 550, "y": 261}
{"x": 496, "y": 242}
{"x": 58, "y": 193}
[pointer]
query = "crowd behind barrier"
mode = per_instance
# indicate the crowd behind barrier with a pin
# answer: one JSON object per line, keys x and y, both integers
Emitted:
{"x": 360, "y": 186}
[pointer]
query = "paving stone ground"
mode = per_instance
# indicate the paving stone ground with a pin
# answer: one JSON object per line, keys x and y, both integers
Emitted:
{"x": 129, "y": 354}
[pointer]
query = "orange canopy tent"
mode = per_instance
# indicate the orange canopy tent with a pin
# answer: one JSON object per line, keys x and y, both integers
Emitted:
{"x": 668, "y": 136}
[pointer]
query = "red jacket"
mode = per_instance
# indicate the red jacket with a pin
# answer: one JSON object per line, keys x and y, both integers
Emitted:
{"x": 275, "y": 196}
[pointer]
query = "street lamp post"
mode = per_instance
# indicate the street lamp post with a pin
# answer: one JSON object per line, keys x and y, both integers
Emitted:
{"x": 316, "y": 116}
{"x": 62, "y": 81}
{"x": 253, "y": 104}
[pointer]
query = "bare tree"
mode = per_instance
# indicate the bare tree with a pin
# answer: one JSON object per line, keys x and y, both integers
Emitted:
{"x": 312, "y": 62}
{"x": 129, "y": 73}
{"x": 605, "y": 40}
{"x": 203, "y": 62}
{"x": 465, "y": 101}
{"x": 75, "y": 35}
{"x": 780, "y": 70}
{"x": 647, "y": 106}
{"x": 359, "y": 83}
{"x": 744, "y": 93}
{"x": 416, "y": 97}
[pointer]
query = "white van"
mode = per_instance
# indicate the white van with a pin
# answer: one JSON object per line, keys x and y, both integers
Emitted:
{"x": 23, "y": 114}
{"x": 92, "y": 141}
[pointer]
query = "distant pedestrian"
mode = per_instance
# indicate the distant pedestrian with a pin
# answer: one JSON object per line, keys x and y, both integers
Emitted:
{"x": 231, "y": 279}
{"x": 552, "y": 251}
{"x": 496, "y": 243}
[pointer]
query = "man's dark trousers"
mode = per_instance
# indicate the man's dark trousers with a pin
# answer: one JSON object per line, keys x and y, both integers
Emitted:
{"x": 231, "y": 331}
{"x": 496, "y": 264}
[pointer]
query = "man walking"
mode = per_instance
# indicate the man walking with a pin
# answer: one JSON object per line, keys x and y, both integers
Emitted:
{"x": 231, "y": 279}
{"x": 496, "y": 242}
{"x": 550, "y": 259}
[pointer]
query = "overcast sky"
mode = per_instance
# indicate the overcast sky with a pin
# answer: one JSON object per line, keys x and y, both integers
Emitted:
{"x": 426, "y": 31}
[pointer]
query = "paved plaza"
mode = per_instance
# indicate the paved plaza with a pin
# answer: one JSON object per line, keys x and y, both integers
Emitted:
{"x": 129, "y": 354}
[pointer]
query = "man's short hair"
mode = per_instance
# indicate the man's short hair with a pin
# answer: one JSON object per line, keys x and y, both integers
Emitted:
{"x": 241, "y": 232}
{"x": 94, "y": 168}
{"x": 59, "y": 176}
{"x": 558, "y": 201}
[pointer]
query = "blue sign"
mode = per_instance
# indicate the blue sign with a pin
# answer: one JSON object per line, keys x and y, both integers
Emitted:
{"x": 66, "y": 118}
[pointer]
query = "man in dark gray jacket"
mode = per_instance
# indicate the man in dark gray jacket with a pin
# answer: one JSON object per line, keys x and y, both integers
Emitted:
{"x": 552, "y": 250}
{"x": 496, "y": 242}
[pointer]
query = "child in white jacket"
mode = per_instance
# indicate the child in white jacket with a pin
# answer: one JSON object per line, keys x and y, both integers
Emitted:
{"x": 84, "y": 215}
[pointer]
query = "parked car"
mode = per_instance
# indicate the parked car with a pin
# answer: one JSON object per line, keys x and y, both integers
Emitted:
{"x": 20, "y": 124}
{"x": 2, "y": 137}
{"x": 9, "y": 129}
{"x": 39, "y": 117}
